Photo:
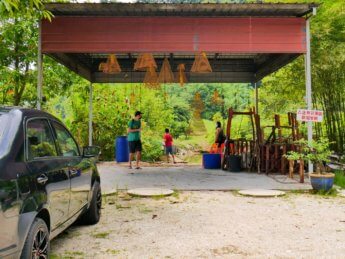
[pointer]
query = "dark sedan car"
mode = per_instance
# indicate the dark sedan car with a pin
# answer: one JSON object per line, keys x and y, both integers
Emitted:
{"x": 46, "y": 183}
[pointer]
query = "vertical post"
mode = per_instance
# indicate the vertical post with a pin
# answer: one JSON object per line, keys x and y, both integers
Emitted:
{"x": 256, "y": 98}
{"x": 308, "y": 88}
{"x": 90, "y": 115}
{"x": 39, "y": 68}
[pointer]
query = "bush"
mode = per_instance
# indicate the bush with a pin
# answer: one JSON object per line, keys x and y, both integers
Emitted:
{"x": 152, "y": 149}
{"x": 339, "y": 178}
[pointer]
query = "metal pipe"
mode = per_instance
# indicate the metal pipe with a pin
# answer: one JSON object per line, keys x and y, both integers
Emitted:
{"x": 308, "y": 88}
{"x": 90, "y": 115}
{"x": 256, "y": 99}
{"x": 39, "y": 68}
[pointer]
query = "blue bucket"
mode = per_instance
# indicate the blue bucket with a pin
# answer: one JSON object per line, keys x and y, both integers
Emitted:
{"x": 121, "y": 149}
{"x": 211, "y": 161}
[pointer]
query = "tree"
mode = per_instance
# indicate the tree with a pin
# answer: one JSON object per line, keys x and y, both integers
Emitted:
{"x": 27, "y": 8}
{"x": 18, "y": 40}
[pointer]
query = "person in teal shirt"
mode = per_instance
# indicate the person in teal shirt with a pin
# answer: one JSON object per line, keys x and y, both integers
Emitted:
{"x": 134, "y": 141}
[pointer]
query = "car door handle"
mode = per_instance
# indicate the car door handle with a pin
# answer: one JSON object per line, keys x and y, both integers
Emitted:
{"x": 42, "y": 179}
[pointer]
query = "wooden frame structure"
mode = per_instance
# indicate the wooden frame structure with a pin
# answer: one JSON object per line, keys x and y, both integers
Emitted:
{"x": 243, "y": 42}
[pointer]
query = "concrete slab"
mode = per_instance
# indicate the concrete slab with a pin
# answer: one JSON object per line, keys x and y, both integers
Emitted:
{"x": 119, "y": 177}
{"x": 150, "y": 192}
{"x": 342, "y": 193}
{"x": 261, "y": 193}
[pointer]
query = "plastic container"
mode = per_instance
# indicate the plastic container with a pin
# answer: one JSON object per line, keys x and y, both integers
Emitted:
{"x": 121, "y": 149}
{"x": 234, "y": 163}
{"x": 211, "y": 161}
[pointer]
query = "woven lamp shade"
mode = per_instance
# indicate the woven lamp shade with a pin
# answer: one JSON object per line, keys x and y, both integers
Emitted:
{"x": 201, "y": 64}
{"x": 166, "y": 75}
{"x": 151, "y": 78}
{"x": 111, "y": 66}
{"x": 216, "y": 97}
{"x": 144, "y": 61}
{"x": 181, "y": 77}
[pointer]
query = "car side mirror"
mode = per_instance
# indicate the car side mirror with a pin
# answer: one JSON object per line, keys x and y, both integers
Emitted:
{"x": 91, "y": 151}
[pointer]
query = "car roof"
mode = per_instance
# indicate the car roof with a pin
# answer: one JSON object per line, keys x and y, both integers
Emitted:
{"x": 26, "y": 112}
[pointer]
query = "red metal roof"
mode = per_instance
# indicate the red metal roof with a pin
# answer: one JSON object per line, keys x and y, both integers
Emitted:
{"x": 241, "y": 49}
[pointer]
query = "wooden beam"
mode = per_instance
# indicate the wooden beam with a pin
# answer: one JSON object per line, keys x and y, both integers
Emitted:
{"x": 274, "y": 64}
{"x": 73, "y": 65}
{"x": 138, "y": 77}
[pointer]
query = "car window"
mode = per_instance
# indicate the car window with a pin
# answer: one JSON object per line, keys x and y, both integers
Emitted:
{"x": 40, "y": 139}
{"x": 66, "y": 143}
{"x": 2, "y": 126}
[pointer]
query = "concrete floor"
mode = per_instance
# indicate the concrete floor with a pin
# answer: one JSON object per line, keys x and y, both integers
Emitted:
{"x": 119, "y": 177}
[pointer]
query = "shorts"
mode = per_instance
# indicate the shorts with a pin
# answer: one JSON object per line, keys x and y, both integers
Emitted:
{"x": 168, "y": 150}
{"x": 134, "y": 146}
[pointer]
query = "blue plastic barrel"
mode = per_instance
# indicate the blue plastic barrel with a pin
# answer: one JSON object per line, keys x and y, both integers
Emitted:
{"x": 121, "y": 149}
{"x": 211, "y": 161}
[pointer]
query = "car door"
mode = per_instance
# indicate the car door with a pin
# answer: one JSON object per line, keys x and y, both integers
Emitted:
{"x": 9, "y": 212}
{"x": 79, "y": 168}
{"x": 48, "y": 169}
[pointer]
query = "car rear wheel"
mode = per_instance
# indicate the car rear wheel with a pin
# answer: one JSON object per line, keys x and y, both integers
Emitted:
{"x": 37, "y": 242}
{"x": 93, "y": 214}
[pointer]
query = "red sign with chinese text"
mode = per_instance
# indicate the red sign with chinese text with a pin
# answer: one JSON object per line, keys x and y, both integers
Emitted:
{"x": 309, "y": 115}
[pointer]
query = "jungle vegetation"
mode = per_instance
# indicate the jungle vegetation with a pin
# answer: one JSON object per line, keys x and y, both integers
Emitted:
{"x": 172, "y": 106}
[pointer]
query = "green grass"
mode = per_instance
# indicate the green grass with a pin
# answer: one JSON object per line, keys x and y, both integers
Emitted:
{"x": 331, "y": 193}
{"x": 176, "y": 194}
{"x": 113, "y": 251}
{"x": 145, "y": 210}
{"x": 158, "y": 197}
{"x": 339, "y": 178}
{"x": 101, "y": 235}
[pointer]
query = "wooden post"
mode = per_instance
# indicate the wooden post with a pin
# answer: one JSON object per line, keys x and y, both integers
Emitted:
{"x": 283, "y": 160}
{"x": 291, "y": 164}
{"x": 301, "y": 171}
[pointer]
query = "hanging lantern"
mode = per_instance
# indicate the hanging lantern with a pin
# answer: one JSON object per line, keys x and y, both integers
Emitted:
{"x": 132, "y": 98}
{"x": 111, "y": 66}
{"x": 166, "y": 95}
{"x": 144, "y": 61}
{"x": 166, "y": 75}
{"x": 215, "y": 98}
{"x": 198, "y": 105}
{"x": 201, "y": 64}
{"x": 181, "y": 75}
{"x": 151, "y": 78}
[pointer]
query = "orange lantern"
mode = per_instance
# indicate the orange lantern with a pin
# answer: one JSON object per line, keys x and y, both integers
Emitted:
{"x": 181, "y": 75}
{"x": 144, "y": 61}
{"x": 201, "y": 64}
{"x": 166, "y": 75}
{"x": 111, "y": 66}
{"x": 151, "y": 78}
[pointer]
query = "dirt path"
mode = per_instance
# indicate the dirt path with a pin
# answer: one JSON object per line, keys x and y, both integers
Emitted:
{"x": 210, "y": 225}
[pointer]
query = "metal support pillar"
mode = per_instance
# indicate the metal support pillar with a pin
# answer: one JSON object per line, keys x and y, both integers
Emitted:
{"x": 308, "y": 88}
{"x": 256, "y": 98}
{"x": 39, "y": 68}
{"x": 90, "y": 115}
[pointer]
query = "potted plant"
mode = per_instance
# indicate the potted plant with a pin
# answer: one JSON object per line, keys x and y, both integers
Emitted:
{"x": 293, "y": 156}
{"x": 318, "y": 153}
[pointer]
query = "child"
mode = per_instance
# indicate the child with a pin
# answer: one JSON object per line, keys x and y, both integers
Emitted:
{"x": 168, "y": 140}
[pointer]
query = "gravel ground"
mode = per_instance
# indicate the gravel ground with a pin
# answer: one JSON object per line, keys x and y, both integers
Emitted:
{"x": 210, "y": 225}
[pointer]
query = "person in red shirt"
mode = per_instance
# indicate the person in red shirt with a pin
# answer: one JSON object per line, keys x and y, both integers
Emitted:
{"x": 168, "y": 140}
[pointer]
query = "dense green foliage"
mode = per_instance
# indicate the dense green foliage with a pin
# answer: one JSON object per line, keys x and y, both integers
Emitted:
{"x": 285, "y": 89}
{"x": 172, "y": 106}
{"x": 339, "y": 178}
